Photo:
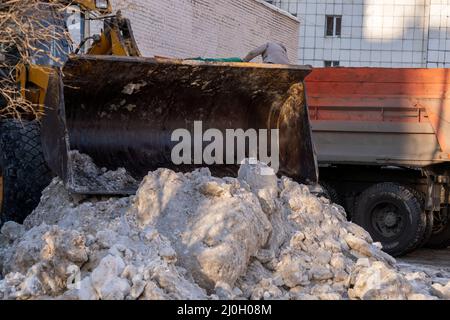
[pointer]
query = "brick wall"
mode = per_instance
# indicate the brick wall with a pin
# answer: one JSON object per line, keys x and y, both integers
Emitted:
{"x": 208, "y": 28}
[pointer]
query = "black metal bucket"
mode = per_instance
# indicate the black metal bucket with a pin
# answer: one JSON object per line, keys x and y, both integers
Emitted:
{"x": 122, "y": 112}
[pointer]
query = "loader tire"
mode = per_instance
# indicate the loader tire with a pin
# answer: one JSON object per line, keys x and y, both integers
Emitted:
{"x": 393, "y": 215}
{"x": 23, "y": 168}
{"x": 440, "y": 238}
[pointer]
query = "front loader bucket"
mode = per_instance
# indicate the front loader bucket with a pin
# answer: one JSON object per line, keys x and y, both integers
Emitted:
{"x": 123, "y": 111}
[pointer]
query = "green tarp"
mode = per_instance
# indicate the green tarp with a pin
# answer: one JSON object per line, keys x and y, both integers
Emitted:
{"x": 232, "y": 59}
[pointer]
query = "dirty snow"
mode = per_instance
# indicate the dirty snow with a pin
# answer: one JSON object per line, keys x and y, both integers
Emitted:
{"x": 195, "y": 236}
{"x": 87, "y": 176}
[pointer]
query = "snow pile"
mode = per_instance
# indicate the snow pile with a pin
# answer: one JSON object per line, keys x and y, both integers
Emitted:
{"x": 194, "y": 236}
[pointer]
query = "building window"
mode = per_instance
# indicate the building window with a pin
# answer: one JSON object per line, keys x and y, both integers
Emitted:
{"x": 333, "y": 26}
{"x": 328, "y": 63}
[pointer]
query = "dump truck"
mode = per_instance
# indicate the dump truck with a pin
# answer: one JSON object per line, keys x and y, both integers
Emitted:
{"x": 383, "y": 144}
{"x": 103, "y": 100}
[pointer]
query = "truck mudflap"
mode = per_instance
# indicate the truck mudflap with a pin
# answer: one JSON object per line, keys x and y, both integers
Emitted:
{"x": 123, "y": 112}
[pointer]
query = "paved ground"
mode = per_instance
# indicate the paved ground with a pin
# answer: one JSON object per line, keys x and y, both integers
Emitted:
{"x": 436, "y": 262}
{"x": 428, "y": 257}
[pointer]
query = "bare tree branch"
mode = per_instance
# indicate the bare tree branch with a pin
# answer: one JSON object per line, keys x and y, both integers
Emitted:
{"x": 31, "y": 32}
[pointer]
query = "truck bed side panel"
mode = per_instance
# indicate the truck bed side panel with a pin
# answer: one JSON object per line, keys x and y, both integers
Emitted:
{"x": 380, "y": 116}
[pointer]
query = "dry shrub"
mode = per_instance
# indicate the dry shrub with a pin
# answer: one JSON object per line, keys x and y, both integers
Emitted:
{"x": 28, "y": 34}
{"x": 27, "y": 30}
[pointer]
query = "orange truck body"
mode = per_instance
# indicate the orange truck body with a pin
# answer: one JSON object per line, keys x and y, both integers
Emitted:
{"x": 380, "y": 116}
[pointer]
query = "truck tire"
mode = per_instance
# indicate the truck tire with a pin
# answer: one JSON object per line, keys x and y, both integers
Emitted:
{"x": 330, "y": 193}
{"x": 392, "y": 215}
{"x": 440, "y": 238}
{"x": 429, "y": 216}
{"x": 24, "y": 173}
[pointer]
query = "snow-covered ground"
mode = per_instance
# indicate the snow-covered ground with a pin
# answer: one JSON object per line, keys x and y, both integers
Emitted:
{"x": 433, "y": 262}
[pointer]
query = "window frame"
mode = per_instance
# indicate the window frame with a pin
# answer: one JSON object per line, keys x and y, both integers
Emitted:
{"x": 335, "y": 19}
{"x": 331, "y": 63}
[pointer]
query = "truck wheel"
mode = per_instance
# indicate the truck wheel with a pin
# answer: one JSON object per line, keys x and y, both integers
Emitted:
{"x": 392, "y": 215}
{"x": 330, "y": 193}
{"x": 24, "y": 173}
{"x": 440, "y": 238}
{"x": 429, "y": 215}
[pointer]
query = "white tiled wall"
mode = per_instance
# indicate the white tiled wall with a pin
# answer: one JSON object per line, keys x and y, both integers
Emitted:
{"x": 439, "y": 34}
{"x": 385, "y": 33}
